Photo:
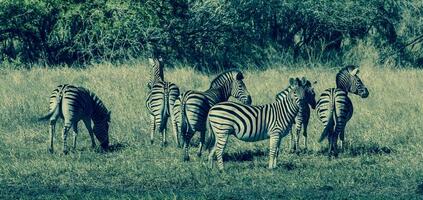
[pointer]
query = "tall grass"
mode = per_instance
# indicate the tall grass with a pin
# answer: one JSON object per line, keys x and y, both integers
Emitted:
{"x": 383, "y": 159}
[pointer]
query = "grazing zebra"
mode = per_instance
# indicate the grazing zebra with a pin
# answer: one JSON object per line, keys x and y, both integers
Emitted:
{"x": 301, "y": 120}
{"x": 335, "y": 108}
{"x": 74, "y": 104}
{"x": 160, "y": 101}
{"x": 156, "y": 71}
{"x": 255, "y": 123}
{"x": 193, "y": 106}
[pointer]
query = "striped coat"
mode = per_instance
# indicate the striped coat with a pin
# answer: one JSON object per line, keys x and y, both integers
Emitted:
{"x": 160, "y": 101}
{"x": 255, "y": 123}
{"x": 301, "y": 120}
{"x": 335, "y": 108}
{"x": 193, "y": 107}
{"x": 74, "y": 104}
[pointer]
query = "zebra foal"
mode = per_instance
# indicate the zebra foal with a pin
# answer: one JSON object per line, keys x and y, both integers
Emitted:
{"x": 301, "y": 120}
{"x": 73, "y": 104}
{"x": 255, "y": 123}
{"x": 335, "y": 108}
{"x": 160, "y": 101}
{"x": 193, "y": 106}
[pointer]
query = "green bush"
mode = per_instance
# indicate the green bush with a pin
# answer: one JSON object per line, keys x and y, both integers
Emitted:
{"x": 207, "y": 34}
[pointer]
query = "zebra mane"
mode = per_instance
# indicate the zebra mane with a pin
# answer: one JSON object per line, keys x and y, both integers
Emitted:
{"x": 223, "y": 76}
{"x": 99, "y": 107}
{"x": 282, "y": 94}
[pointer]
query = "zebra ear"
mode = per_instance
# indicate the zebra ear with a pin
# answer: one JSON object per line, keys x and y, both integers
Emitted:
{"x": 151, "y": 61}
{"x": 294, "y": 81}
{"x": 303, "y": 81}
{"x": 239, "y": 76}
{"x": 354, "y": 72}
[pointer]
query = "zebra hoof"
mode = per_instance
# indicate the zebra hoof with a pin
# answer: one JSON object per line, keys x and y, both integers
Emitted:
{"x": 199, "y": 154}
{"x": 65, "y": 152}
{"x": 186, "y": 158}
{"x": 151, "y": 141}
{"x": 50, "y": 150}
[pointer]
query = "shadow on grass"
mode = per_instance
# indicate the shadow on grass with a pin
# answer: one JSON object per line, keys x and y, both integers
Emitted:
{"x": 247, "y": 155}
{"x": 116, "y": 147}
{"x": 112, "y": 148}
{"x": 361, "y": 149}
{"x": 419, "y": 189}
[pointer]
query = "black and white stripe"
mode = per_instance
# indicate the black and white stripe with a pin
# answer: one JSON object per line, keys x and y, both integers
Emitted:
{"x": 74, "y": 104}
{"x": 301, "y": 120}
{"x": 156, "y": 71}
{"x": 193, "y": 106}
{"x": 159, "y": 103}
{"x": 335, "y": 108}
{"x": 255, "y": 123}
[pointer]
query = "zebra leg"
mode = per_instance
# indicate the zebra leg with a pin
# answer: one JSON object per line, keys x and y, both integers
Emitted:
{"x": 274, "y": 141}
{"x": 174, "y": 121}
{"x": 187, "y": 138}
{"x": 202, "y": 140}
{"x": 66, "y": 129}
{"x": 342, "y": 138}
{"x": 75, "y": 135}
{"x": 163, "y": 129}
{"x": 153, "y": 128}
{"x": 297, "y": 141}
{"x": 292, "y": 143}
{"x": 52, "y": 130}
{"x": 87, "y": 123}
{"x": 305, "y": 137}
{"x": 335, "y": 145}
{"x": 211, "y": 155}
{"x": 221, "y": 140}
{"x": 278, "y": 148}
{"x": 330, "y": 142}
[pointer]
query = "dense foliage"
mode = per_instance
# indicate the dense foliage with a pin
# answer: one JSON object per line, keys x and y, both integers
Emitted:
{"x": 208, "y": 33}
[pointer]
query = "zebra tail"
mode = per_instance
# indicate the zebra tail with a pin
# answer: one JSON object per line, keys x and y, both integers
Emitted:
{"x": 211, "y": 137}
{"x": 52, "y": 111}
{"x": 184, "y": 119}
{"x": 329, "y": 126}
{"x": 165, "y": 111}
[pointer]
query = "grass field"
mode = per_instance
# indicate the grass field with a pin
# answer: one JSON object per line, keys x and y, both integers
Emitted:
{"x": 384, "y": 159}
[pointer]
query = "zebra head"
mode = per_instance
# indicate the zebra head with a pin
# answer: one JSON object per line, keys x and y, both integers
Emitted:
{"x": 310, "y": 95}
{"x": 298, "y": 92}
{"x": 101, "y": 130}
{"x": 347, "y": 79}
{"x": 232, "y": 84}
{"x": 239, "y": 90}
{"x": 156, "y": 71}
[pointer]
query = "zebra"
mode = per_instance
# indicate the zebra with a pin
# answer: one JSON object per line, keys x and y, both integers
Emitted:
{"x": 72, "y": 104}
{"x": 160, "y": 101}
{"x": 255, "y": 123}
{"x": 301, "y": 120}
{"x": 335, "y": 108}
{"x": 192, "y": 108}
{"x": 156, "y": 71}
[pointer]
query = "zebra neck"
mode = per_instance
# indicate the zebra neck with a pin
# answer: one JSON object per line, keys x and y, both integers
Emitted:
{"x": 216, "y": 95}
{"x": 100, "y": 112}
{"x": 287, "y": 108}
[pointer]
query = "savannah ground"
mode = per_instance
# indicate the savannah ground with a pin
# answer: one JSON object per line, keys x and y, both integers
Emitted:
{"x": 384, "y": 158}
